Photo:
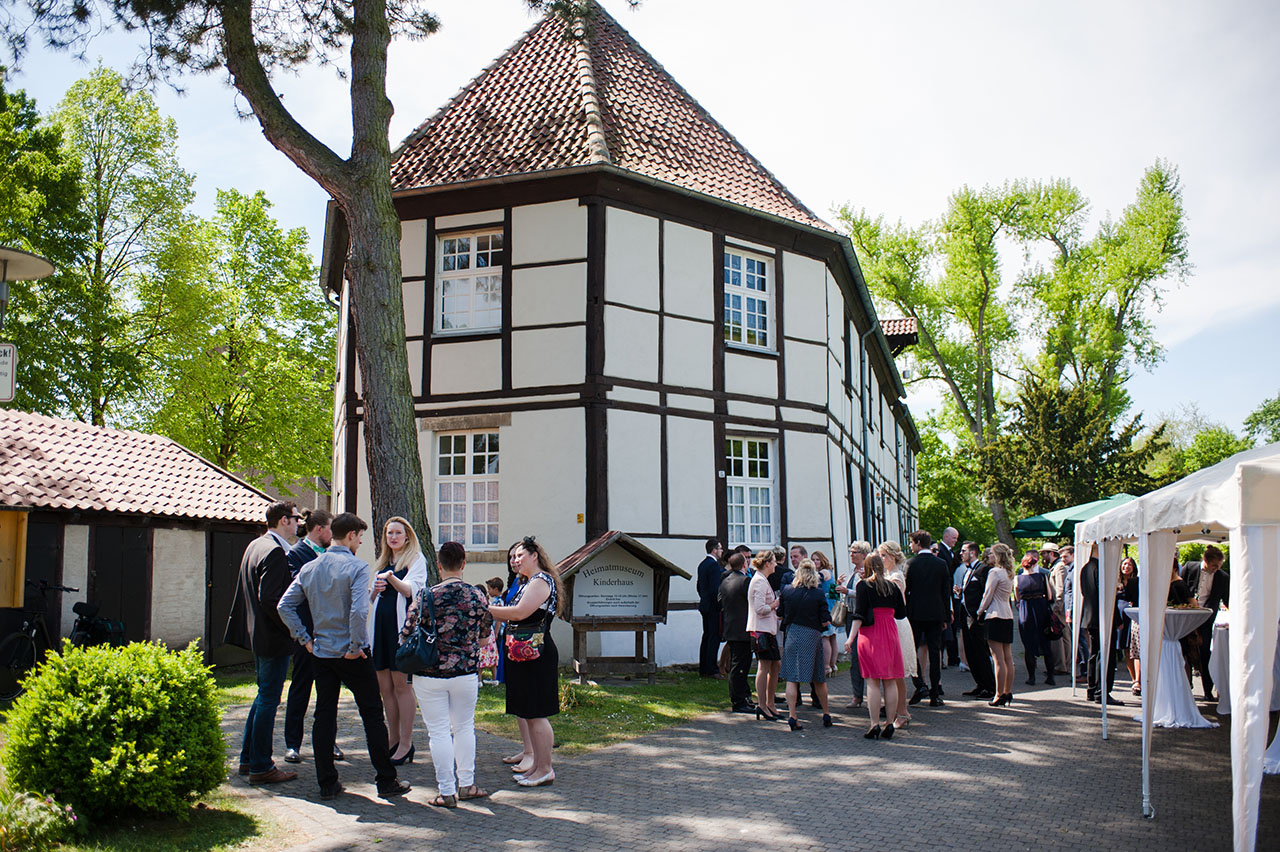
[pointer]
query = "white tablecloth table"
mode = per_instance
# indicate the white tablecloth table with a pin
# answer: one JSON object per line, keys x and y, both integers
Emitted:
{"x": 1173, "y": 705}
{"x": 1220, "y": 671}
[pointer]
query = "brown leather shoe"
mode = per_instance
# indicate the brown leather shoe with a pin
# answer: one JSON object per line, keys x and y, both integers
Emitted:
{"x": 275, "y": 775}
{"x": 244, "y": 769}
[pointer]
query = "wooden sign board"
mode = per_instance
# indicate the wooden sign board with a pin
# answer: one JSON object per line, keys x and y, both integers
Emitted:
{"x": 613, "y": 583}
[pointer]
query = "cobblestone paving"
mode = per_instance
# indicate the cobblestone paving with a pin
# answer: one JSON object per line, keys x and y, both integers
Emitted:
{"x": 1036, "y": 776}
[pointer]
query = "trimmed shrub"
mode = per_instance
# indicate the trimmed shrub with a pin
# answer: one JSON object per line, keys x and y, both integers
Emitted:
{"x": 116, "y": 731}
{"x": 31, "y": 824}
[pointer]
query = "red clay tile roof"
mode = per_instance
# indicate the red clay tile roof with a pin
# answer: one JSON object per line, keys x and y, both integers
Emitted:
{"x": 49, "y": 463}
{"x": 899, "y": 326}
{"x": 553, "y": 103}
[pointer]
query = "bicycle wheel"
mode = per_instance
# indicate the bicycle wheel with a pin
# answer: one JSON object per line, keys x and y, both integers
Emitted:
{"x": 17, "y": 658}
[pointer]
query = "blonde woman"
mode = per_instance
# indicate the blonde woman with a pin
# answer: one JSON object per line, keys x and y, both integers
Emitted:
{"x": 804, "y": 615}
{"x": 399, "y": 574}
{"x": 533, "y": 689}
{"x": 996, "y": 615}
{"x": 873, "y": 629}
{"x": 762, "y": 624}
{"x": 828, "y": 584}
{"x": 895, "y": 566}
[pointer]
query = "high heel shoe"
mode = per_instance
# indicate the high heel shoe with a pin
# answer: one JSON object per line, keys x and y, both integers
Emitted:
{"x": 762, "y": 713}
{"x": 887, "y": 733}
{"x": 793, "y": 724}
{"x": 408, "y": 757}
{"x": 1000, "y": 700}
{"x": 901, "y": 721}
{"x": 826, "y": 720}
{"x": 873, "y": 734}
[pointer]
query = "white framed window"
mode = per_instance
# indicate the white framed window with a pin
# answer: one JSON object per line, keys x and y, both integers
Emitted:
{"x": 467, "y": 489}
{"x": 749, "y": 485}
{"x": 748, "y": 299}
{"x": 468, "y": 292}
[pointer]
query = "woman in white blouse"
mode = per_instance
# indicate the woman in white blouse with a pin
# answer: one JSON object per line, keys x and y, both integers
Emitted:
{"x": 399, "y": 574}
{"x": 996, "y": 615}
{"x": 762, "y": 624}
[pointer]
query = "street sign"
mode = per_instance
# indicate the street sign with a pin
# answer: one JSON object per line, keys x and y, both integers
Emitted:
{"x": 8, "y": 371}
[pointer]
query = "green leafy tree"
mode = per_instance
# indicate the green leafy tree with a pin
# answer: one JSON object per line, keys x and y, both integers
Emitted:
{"x": 1263, "y": 423}
{"x": 947, "y": 496}
{"x": 1062, "y": 448}
{"x": 40, "y": 212}
{"x": 246, "y": 377}
{"x": 1210, "y": 446}
{"x": 91, "y": 331}
{"x": 253, "y": 41}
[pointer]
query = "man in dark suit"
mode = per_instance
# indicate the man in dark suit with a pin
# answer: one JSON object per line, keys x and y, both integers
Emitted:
{"x": 951, "y": 629}
{"x": 928, "y": 610}
{"x": 710, "y": 573}
{"x": 317, "y": 538}
{"x": 972, "y": 587}
{"x": 732, "y": 597}
{"x": 1091, "y": 621}
{"x": 1212, "y": 588}
{"x": 255, "y": 624}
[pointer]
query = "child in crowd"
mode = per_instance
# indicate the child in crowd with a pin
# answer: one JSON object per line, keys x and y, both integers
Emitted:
{"x": 489, "y": 653}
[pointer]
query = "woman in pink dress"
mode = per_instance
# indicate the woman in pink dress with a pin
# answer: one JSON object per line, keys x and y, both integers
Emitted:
{"x": 879, "y": 602}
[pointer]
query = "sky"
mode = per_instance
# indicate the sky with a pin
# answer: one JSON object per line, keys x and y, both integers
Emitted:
{"x": 890, "y": 107}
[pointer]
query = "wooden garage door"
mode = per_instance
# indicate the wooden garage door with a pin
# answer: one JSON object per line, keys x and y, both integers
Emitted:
{"x": 119, "y": 577}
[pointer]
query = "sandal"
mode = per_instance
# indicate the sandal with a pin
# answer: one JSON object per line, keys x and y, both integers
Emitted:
{"x": 441, "y": 801}
{"x": 472, "y": 792}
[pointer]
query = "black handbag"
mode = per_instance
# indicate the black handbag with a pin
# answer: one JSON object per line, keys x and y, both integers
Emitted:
{"x": 420, "y": 652}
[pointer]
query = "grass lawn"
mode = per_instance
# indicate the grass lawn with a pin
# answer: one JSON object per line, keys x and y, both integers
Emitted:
{"x": 614, "y": 711}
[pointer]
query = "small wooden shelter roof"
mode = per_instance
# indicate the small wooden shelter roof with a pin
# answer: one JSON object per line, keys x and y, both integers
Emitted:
{"x": 571, "y": 563}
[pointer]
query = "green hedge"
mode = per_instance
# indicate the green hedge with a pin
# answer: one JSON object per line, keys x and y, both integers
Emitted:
{"x": 115, "y": 731}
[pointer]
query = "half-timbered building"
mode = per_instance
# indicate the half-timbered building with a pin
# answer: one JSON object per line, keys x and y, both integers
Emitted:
{"x": 618, "y": 319}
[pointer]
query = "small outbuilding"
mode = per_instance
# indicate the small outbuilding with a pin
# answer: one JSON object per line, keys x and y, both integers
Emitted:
{"x": 615, "y": 584}
{"x": 145, "y": 528}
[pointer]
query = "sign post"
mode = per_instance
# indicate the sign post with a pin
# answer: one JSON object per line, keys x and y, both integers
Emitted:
{"x": 8, "y": 371}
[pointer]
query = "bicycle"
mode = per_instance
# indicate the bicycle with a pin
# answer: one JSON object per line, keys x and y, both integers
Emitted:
{"x": 22, "y": 649}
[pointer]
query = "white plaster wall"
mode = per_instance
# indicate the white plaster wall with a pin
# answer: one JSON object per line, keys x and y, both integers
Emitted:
{"x": 542, "y": 480}
{"x": 548, "y": 356}
{"x": 178, "y": 587}
{"x": 804, "y": 295}
{"x": 464, "y": 366}
{"x": 737, "y": 408}
{"x": 687, "y": 352}
{"x": 761, "y": 248}
{"x": 808, "y": 486}
{"x": 635, "y": 472}
{"x": 413, "y": 248}
{"x": 836, "y": 322}
{"x": 364, "y": 501}
{"x": 414, "y": 307}
{"x": 631, "y": 258}
{"x": 840, "y": 533}
{"x": 750, "y": 375}
{"x": 690, "y": 402}
{"x": 806, "y": 369}
{"x": 692, "y": 457}
{"x": 413, "y": 351}
{"x": 686, "y": 272}
{"x": 644, "y": 397}
{"x": 631, "y": 344}
{"x": 552, "y": 231}
{"x": 75, "y": 569}
{"x": 467, "y": 220}
{"x": 549, "y": 294}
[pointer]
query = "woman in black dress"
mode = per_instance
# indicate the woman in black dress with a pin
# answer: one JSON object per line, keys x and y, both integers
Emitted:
{"x": 1034, "y": 595}
{"x": 399, "y": 574}
{"x": 1126, "y": 635}
{"x": 533, "y": 689}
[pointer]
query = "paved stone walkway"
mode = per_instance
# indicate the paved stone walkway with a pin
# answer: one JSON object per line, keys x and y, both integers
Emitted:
{"x": 1036, "y": 776}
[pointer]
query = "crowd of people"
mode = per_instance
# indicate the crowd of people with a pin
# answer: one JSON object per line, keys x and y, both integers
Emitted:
{"x": 342, "y": 622}
{"x": 906, "y": 618}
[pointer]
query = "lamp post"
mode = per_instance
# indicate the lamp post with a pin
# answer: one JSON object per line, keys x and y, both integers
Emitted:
{"x": 19, "y": 265}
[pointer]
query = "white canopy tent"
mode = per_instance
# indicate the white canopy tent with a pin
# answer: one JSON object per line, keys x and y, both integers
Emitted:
{"x": 1237, "y": 500}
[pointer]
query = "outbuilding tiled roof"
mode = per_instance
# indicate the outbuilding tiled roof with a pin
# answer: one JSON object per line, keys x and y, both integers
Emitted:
{"x": 49, "y": 463}
{"x": 555, "y": 102}
{"x": 898, "y": 326}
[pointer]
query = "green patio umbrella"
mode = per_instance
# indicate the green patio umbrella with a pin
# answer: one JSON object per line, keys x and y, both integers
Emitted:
{"x": 1061, "y": 523}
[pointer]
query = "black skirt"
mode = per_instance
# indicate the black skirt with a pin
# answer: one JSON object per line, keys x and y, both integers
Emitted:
{"x": 766, "y": 646}
{"x": 533, "y": 688}
{"x": 999, "y": 630}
